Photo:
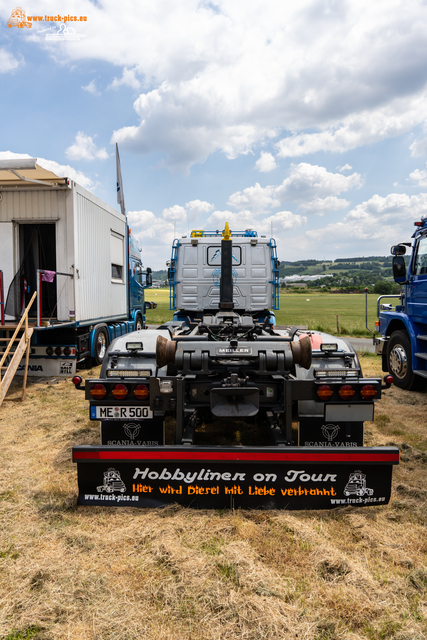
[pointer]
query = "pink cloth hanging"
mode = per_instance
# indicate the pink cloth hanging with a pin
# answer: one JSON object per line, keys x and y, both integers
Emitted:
{"x": 48, "y": 276}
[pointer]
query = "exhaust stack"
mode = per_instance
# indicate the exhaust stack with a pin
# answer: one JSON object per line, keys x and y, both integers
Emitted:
{"x": 226, "y": 281}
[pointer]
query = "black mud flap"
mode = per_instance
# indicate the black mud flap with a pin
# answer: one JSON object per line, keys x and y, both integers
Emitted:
{"x": 232, "y": 477}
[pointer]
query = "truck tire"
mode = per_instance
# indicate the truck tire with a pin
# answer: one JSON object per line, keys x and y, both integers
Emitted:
{"x": 399, "y": 362}
{"x": 101, "y": 344}
{"x": 138, "y": 323}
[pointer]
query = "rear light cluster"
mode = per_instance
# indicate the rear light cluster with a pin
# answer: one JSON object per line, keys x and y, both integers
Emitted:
{"x": 347, "y": 392}
{"x": 119, "y": 391}
{"x": 59, "y": 351}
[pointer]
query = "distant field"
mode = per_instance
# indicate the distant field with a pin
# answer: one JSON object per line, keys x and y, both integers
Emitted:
{"x": 316, "y": 310}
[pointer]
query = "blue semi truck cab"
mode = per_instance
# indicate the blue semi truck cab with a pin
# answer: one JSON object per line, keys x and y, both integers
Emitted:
{"x": 403, "y": 328}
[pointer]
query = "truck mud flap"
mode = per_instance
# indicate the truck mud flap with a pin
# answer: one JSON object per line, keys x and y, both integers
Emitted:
{"x": 233, "y": 477}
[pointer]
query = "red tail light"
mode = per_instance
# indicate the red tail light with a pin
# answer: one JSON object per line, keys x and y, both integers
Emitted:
{"x": 67, "y": 351}
{"x": 346, "y": 392}
{"x": 77, "y": 380}
{"x": 120, "y": 391}
{"x": 141, "y": 392}
{"x": 325, "y": 392}
{"x": 368, "y": 392}
{"x": 98, "y": 391}
{"x": 58, "y": 351}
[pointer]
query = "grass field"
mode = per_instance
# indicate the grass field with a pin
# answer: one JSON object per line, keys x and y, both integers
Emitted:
{"x": 316, "y": 310}
{"x": 94, "y": 573}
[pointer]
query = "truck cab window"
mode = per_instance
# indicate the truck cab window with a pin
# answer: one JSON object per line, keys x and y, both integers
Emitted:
{"x": 420, "y": 264}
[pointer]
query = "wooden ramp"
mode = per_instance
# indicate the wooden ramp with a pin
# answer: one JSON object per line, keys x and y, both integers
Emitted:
{"x": 10, "y": 360}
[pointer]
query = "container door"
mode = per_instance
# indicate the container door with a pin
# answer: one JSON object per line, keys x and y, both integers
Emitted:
{"x": 37, "y": 250}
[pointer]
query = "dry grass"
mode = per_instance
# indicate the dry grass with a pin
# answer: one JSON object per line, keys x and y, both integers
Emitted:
{"x": 98, "y": 573}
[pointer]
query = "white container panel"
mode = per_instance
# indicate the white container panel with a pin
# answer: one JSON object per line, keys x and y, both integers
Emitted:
{"x": 32, "y": 205}
{"x": 6, "y": 256}
{"x": 98, "y": 295}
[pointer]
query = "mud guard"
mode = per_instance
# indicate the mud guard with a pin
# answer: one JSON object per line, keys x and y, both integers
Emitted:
{"x": 234, "y": 477}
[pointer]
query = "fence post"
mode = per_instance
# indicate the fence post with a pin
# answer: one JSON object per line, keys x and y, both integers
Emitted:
{"x": 39, "y": 297}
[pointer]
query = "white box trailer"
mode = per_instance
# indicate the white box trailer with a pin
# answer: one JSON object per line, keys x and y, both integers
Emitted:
{"x": 52, "y": 224}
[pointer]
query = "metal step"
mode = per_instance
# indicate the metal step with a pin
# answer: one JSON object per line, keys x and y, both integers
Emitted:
{"x": 423, "y": 356}
{"x": 421, "y": 373}
{"x": 422, "y": 338}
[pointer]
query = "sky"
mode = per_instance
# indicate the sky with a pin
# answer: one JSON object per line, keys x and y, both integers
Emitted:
{"x": 303, "y": 120}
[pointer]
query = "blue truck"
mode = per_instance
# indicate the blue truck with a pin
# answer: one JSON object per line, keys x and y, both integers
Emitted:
{"x": 403, "y": 328}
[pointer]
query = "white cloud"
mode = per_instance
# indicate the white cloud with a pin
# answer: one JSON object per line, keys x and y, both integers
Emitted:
{"x": 8, "y": 62}
{"x": 266, "y": 162}
{"x": 377, "y": 223}
{"x": 84, "y": 148}
{"x": 308, "y": 182}
{"x": 324, "y": 205}
{"x": 128, "y": 79}
{"x": 198, "y": 207}
{"x": 61, "y": 170}
{"x": 357, "y": 129}
{"x": 419, "y": 147}
{"x": 154, "y": 235}
{"x": 232, "y": 75}
{"x": 346, "y": 167}
{"x": 91, "y": 88}
{"x": 256, "y": 198}
{"x": 237, "y": 221}
{"x": 419, "y": 176}
{"x": 280, "y": 221}
{"x": 174, "y": 214}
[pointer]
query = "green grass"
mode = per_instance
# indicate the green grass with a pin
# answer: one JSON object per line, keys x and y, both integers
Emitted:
{"x": 315, "y": 310}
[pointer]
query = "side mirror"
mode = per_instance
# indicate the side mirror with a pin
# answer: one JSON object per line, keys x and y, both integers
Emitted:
{"x": 399, "y": 249}
{"x": 399, "y": 269}
{"x": 149, "y": 278}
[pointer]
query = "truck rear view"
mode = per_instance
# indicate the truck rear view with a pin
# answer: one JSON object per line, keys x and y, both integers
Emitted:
{"x": 223, "y": 359}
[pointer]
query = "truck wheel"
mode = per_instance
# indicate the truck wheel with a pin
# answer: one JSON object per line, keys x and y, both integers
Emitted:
{"x": 101, "y": 344}
{"x": 399, "y": 362}
{"x": 138, "y": 323}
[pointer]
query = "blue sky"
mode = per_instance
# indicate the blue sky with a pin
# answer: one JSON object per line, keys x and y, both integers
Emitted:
{"x": 308, "y": 119}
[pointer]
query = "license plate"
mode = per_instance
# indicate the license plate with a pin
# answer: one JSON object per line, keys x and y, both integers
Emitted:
{"x": 120, "y": 413}
{"x": 349, "y": 412}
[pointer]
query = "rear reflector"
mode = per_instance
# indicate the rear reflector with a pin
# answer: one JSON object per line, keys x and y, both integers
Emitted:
{"x": 325, "y": 392}
{"x": 120, "y": 391}
{"x": 98, "y": 391}
{"x": 141, "y": 392}
{"x": 346, "y": 391}
{"x": 368, "y": 391}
